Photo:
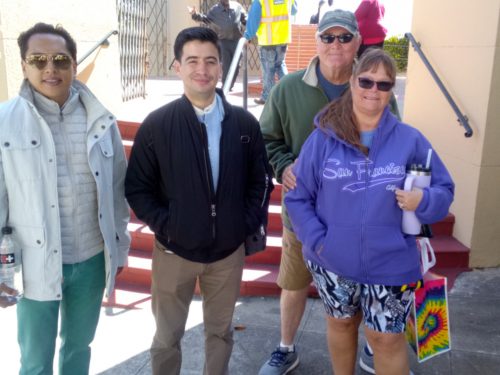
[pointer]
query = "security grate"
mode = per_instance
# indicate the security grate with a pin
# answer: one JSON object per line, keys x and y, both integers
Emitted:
{"x": 133, "y": 47}
{"x": 157, "y": 38}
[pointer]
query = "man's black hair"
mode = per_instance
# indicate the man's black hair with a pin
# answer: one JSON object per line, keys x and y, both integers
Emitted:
{"x": 44, "y": 28}
{"x": 202, "y": 34}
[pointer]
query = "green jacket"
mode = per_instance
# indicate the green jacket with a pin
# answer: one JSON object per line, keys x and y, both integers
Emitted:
{"x": 287, "y": 119}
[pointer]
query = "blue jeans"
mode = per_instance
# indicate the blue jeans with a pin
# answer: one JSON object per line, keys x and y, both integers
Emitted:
{"x": 272, "y": 60}
{"x": 83, "y": 288}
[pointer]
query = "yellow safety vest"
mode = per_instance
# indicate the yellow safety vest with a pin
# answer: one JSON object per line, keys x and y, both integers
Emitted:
{"x": 274, "y": 26}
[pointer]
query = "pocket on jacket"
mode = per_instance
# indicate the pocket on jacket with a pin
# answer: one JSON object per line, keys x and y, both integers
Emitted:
{"x": 22, "y": 157}
{"x": 389, "y": 252}
{"x": 32, "y": 240}
{"x": 106, "y": 146}
{"x": 29, "y": 236}
{"x": 340, "y": 251}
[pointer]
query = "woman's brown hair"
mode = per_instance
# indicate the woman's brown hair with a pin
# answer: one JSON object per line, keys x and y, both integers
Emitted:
{"x": 339, "y": 115}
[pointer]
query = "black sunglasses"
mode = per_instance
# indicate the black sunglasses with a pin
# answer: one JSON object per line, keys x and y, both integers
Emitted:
{"x": 367, "y": 83}
{"x": 59, "y": 60}
{"x": 342, "y": 38}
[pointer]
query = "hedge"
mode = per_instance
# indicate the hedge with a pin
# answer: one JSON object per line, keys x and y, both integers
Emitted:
{"x": 397, "y": 46}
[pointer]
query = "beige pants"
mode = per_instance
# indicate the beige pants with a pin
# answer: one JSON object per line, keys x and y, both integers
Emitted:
{"x": 173, "y": 284}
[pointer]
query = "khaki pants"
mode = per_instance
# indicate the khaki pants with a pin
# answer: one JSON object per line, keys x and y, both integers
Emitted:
{"x": 173, "y": 283}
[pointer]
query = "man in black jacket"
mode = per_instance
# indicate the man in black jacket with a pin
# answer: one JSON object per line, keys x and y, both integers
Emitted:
{"x": 198, "y": 177}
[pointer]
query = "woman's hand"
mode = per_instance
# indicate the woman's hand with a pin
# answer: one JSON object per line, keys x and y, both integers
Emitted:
{"x": 409, "y": 200}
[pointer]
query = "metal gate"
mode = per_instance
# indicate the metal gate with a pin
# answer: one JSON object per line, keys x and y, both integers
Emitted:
{"x": 133, "y": 47}
{"x": 253, "y": 53}
{"x": 156, "y": 28}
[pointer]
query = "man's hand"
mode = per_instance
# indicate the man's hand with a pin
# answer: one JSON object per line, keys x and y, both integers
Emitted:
{"x": 6, "y": 301}
{"x": 191, "y": 10}
{"x": 409, "y": 200}
{"x": 288, "y": 178}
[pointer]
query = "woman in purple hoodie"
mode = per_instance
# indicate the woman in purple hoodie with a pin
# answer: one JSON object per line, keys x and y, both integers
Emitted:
{"x": 347, "y": 212}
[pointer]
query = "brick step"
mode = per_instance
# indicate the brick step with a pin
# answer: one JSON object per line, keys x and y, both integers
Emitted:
{"x": 127, "y": 146}
{"x": 444, "y": 227}
{"x": 128, "y": 129}
{"x": 449, "y": 251}
{"x": 143, "y": 241}
{"x": 258, "y": 279}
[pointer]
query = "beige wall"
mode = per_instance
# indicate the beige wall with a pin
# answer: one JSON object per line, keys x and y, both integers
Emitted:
{"x": 178, "y": 19}
{"x": 3, "y": 71}
{"x": 87, "y": 21}
{"x": 464, "y": 51}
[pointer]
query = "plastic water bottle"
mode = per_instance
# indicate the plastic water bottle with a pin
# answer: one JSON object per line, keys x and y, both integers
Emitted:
{"x": 10, "y": 264}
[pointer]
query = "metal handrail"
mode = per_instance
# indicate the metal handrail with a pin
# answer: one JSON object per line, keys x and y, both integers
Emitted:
{"x": 103, "y": 42}
{"x": 241, "y": 50}
{"x": 462, "y": 119}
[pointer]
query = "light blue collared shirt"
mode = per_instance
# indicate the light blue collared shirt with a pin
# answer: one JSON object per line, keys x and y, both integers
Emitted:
{"x": 212, "y": 117}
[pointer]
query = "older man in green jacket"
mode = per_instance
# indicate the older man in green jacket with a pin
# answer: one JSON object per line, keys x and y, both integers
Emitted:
{"x": 286, "y": 122}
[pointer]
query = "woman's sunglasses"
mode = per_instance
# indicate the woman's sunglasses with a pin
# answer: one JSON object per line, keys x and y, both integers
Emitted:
{"x": 59, "y": 60}
{"x": 367, "y": 83}
{"x": 330, "y": 38}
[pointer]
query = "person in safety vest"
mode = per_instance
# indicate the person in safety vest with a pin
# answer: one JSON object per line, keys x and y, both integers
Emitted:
{"x": 269, "y": 20}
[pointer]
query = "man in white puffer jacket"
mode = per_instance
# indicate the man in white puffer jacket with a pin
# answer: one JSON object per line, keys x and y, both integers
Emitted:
{"x": 62, "y": 169}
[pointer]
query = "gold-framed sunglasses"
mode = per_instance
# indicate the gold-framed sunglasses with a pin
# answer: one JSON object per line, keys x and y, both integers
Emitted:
{"x": 40, "y": 60}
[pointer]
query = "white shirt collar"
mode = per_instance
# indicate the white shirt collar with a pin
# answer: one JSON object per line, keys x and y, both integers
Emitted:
{"x": 201, "y": 112}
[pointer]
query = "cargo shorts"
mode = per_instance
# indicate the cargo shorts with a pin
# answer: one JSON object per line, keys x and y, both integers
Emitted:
{"x": 293, "y": 273}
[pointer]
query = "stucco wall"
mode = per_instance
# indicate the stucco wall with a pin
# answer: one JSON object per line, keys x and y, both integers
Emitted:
{"x": 464, "y": 52}
{"x": 3, "y": 70}
{"x": 87, "y": 21}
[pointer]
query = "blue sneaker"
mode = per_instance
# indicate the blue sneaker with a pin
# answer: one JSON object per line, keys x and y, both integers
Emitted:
{"x": 366, "y": 360}
{"x": 281, "y": 362}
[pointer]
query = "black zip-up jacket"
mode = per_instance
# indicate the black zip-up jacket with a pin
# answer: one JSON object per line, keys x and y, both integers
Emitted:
{"x": 169, "y": 182}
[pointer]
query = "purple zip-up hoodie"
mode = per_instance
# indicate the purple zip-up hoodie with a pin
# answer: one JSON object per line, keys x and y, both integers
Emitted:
{"x": 344, "y": 209}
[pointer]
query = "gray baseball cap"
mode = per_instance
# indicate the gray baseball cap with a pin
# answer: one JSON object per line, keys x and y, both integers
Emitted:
{"x": 340, "y": 18}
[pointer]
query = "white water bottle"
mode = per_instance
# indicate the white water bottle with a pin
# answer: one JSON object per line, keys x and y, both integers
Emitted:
{"x": 418, "y": 177}
{"x": 10, "y": 264}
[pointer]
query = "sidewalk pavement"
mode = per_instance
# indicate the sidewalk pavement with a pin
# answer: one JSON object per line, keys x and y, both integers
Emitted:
{"x": 124, "y": 335}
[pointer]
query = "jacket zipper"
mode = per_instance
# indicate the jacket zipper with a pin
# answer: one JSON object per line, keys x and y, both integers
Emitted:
{"x": 262, "y": 203}
{"x": 265, "y": 192}
{"x": 363, "y": 216}
{"x": 72, "y": 177}
{"x": 372, "y": 153}
{"x": 213, "y": 207}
